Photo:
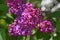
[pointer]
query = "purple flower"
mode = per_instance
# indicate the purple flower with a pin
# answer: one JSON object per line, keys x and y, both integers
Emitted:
{"x": 15, "y": 6}
{"x": 32, "y": 14}
{"x": 12, "y": 3}
{"x": 19, "y": 27}
{"x": 46, "y": 26}
{"x": 24, "y": 24}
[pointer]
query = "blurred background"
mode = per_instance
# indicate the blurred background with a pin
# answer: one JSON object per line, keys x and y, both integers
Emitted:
{"x": 6, "y": 19}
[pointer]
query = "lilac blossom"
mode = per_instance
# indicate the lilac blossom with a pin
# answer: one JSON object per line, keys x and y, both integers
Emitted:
{"x": 19, "y": 27}
{"x": 15, "y": 6}
{"x": 24, "y": 24}
{"x": 46, "y": 26}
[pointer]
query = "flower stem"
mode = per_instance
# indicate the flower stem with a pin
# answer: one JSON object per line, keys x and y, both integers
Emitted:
{"x": 28, "y": 37}
{"x": 24, "y": 38}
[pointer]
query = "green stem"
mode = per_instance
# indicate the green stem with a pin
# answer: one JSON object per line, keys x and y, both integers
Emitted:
{"x": 24, "y": 38}
{"x": 28, "y": 37}
{"x": 34, "y": 37}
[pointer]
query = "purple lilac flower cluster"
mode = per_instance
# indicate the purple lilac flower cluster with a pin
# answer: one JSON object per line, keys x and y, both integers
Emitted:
{"x": 16, "y": 6}
{"x": 24, "y": 24}
{"x": 20, "y": 28}
{"x": 28, "y": 19}
{"x": 46, "y": 26}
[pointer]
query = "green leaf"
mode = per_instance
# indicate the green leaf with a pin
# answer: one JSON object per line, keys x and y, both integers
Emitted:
{"x": 2, "y": 2}
{"x": 39, "y": 35}
{"x": 56, "y": 18}
{"x": 46, "y": 36}
{"x": 2, "y": 22}
{"x": 2, "y": 34}
{"x": 58, "y": 26}
{"x": 3, "y": 7}
{"x": 1, "y": 37}
{"x": 9, "y": 15}
{"x": 57, "y": 37}
{"x": 32, "y": 0}
{"x": 33, "y": 31}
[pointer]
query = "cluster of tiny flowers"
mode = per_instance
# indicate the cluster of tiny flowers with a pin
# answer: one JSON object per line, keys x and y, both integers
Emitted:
{"x": 24, "y": 24}
{"x": 28, "y": 19}
{"x": 20, "y": 28}
{"x": 46, "y": 26}
{"x": 15, "y": 6}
